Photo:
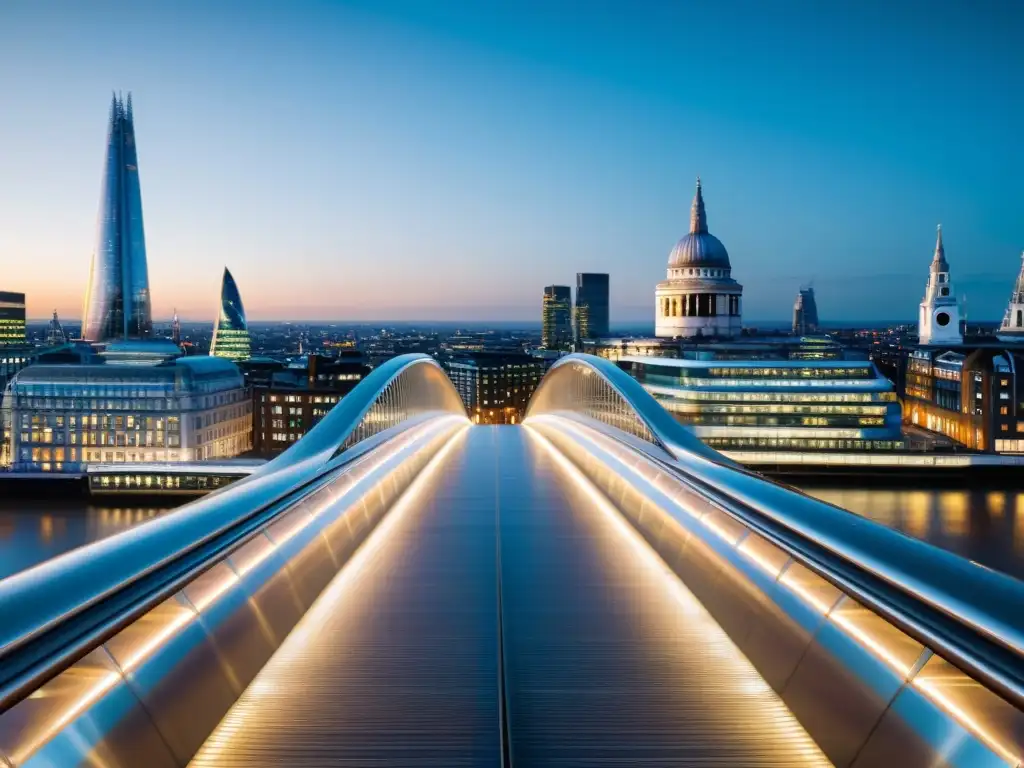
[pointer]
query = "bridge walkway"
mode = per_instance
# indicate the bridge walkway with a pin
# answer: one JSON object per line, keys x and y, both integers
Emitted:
{"x": 503, "y": 605}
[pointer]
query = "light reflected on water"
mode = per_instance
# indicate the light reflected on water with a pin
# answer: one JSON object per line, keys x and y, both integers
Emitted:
{"x": 986, "y": 526}
{"x": 32, "y": 531}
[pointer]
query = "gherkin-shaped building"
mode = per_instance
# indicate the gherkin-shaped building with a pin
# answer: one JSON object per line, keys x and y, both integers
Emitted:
{"x": 231, "y": 332}
{"x": 117, "y": 302}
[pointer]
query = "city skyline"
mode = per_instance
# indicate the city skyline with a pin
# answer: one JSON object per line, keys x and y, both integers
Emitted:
{"x": 464, "y": 157}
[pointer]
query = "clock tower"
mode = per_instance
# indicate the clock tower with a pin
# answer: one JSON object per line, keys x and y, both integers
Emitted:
{"x": 939, "y": 318}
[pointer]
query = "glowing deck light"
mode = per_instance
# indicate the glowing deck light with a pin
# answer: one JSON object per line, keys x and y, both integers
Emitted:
{"x": 265, "y": 684}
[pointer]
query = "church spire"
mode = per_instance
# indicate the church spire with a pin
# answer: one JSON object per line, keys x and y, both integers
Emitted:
{"x": 939, "y": 263}
{"x": 698, "y": 219}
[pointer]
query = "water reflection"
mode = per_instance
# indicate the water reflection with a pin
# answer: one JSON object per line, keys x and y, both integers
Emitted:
{"x": 982, "y": 525}
{"x": 34, "y": 531}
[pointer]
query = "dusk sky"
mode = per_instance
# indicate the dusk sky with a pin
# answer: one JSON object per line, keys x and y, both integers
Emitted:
{"x": 403, "y": 159}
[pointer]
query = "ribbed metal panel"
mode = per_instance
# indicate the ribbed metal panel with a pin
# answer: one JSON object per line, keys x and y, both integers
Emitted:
{"x": 609, "y": 659}
{"x": 397, "y": 663}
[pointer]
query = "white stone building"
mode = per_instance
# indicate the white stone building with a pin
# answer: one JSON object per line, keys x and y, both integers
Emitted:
{"x": 699, "y": 296}
{"x": 939, "y": 316}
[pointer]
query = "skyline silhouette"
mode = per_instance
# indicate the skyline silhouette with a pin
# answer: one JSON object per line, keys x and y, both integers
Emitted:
{"x": 446, "y": 161}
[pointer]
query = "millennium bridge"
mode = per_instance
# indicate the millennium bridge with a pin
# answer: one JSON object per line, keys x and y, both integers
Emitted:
{"x": 593, "y": 587}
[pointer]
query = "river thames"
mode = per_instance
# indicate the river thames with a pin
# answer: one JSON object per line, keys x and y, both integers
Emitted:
{"x": 986, "y": 526}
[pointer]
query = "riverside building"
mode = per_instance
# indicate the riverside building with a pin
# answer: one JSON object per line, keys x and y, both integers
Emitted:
{"x": 799, "y": 405}
{"x": 128, "y": 402}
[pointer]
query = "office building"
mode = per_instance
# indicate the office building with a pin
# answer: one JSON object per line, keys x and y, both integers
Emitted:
{"x": 802, "y": 405}
{"x": 12, "y": 319}
{"x": 969, "y": 394}
{"x": 117, "y": 301}
{"x": 291, "y": 399}
{"x": 805, "y": 312}
{"x": 495, "y": 387}
{"x": 591, "y": 305}
{"x": 556, "y": 317}
{"x": 812, "y": 347}
{"x": 1012, "y": 327}
{"x": 130, "y": 402}
{"x": 231, "y": 332}
{"x": 699, "y": 296}
{"x": 939, "y": 315}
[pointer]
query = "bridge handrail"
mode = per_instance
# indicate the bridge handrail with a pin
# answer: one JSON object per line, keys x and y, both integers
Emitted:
{"x": 404, "y": 391}
{"x": 971, "y": 615}
{"x": 596, "y": 388}
{"x": 985, "y": 602}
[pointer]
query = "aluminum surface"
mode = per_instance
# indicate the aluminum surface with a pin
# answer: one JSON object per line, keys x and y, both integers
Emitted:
{"x": 404, "y": 393}
{"x": 153, "y": 692}
{"x": 859, "y": 684}
{"x": 397, "y": 663}
{"x": 594, "y": 388}
{"x": 606, "y": 659}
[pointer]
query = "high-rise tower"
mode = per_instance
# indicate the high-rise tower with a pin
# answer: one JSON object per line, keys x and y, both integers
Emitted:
{"x": 556, "y": 317}
{"x": 591, "y": 305}
{"x": 939, "y": 317}
{"x": 805, "y": 312}
{"x": 231, "y": 333}
{"x": 117, "y": 303}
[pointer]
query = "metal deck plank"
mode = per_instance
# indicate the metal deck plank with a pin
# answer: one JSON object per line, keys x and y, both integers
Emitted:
{"x": 610, "y": 661}
{"x": 396, "y": 664}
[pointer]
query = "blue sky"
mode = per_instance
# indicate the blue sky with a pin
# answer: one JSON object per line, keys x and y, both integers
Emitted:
{"x": 404, "y": 159}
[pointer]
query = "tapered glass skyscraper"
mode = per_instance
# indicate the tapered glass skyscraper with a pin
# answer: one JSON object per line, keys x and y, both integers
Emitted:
{"x": 231, "y": 333}
{"x": 117, "y": 303}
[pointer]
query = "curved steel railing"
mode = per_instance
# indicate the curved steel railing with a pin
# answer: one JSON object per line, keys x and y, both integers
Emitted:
{"x": 886, "y": 648}
{"x": 401, "y": 390}
{"x": 598, "y": 390}
{"x": 35, "y": 604}
{"x": 967, "y": 613}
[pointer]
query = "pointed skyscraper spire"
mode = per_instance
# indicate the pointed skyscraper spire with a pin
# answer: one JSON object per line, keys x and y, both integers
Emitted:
{"x": 231, "y": 332}
{"x": 117, "y": 304}
{"x": 698, "y": 219}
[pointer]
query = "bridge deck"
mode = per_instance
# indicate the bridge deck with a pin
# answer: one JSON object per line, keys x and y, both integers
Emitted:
{"x": 607, "y": 659}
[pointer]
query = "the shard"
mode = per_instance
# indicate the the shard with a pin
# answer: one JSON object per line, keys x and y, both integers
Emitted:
{"x": 117, "y": 302}
{"x": 231, "y": 333}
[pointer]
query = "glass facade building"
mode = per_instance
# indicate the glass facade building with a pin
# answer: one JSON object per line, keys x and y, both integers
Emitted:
{"x": 738, "y": 405}
{"x": 117, "y": 301}
{"x": 126, "y": 408}
{"x": 12, "y": 319}
{"x": 805, "y": 312}
{"x": 231, "y": 333}
{"x": 591, "y": 305}
{"x": 556, "y": 317}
